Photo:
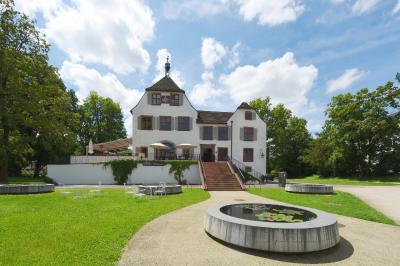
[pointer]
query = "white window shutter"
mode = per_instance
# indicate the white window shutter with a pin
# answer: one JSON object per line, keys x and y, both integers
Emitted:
{"x": 149, "y": 98}
{"x": 153, "y": 122}
{"x": 215, "y": 133}
{"x": 255, "y": 134}
{"x": 190, "y": 123}
{"x": 254, "y": 115}
{"x": 175, "y": 123}
{"x": 241, "y": 133}
{"x": 201, "y": 132}
{"x": 181, "y": 99}
{"x": 139, "y": 122}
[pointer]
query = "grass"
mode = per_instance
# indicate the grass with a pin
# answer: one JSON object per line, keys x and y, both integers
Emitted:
{"x": 59, "y": 229}
{"x": 355, "y": 181}
{"x": 341, "y": 203}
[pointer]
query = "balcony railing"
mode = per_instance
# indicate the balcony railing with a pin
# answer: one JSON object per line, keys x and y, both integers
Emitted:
{"x": 148, "y": 157}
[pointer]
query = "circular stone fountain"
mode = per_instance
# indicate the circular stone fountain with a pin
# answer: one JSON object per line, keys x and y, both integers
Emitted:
{"x": 275, "y": 228}
{"x": 25, "y": 188}
{"x": 309, "y": 188}
{"x": 169, "y": 189}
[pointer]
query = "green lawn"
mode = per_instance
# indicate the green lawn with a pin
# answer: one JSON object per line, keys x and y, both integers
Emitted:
{"x": 58, "y": 229}
{"x": 341, "y": 203}
{"x": 370, "y": 181}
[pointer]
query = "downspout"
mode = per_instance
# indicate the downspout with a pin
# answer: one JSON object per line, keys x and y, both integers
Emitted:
{"x": 231, "y": 137}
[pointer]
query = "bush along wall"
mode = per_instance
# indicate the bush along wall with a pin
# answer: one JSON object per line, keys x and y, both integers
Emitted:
{"x": 121, "y": 169}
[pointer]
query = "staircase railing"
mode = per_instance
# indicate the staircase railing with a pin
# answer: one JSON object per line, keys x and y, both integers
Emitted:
{"x": 236, "y": 173}
{"x": 246, "y": 176}
{"x": 203, "y": 176}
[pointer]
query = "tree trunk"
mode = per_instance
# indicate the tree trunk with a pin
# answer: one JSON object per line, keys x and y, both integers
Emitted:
{"x": 4, "y": 160}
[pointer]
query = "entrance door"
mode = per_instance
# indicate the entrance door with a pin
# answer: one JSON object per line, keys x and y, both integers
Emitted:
{"x": 222, "y": 154}
{"x": 207, "y": 152}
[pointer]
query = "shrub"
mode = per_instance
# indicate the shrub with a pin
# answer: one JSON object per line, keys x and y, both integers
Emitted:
{"x": 121, "y": 169}
{"x": 178, "y": 167}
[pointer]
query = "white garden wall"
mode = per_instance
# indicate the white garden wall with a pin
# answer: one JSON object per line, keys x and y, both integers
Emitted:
{"x": 92, "y": 174}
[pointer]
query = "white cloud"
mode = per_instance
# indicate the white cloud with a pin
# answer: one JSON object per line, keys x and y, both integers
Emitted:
{"x": 234, "y": 55}
{"x": 203, "y": 92}
{"x": 174, "y": 9}
{"x": 98, "y": 32}
{"x": 87, "y": 80}
{"x": 396, "y": 9}
{"x": 162, "y": 55}
{"x": 282, "y": 79}
{"x": 344, "y": 81}
{"x": 270, "y": 12}
{"x": 212, "y": 52}
{"x": 362, "y": 6}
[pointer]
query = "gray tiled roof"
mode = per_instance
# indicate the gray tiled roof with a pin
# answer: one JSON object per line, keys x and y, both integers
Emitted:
{"x": 211, "y": 117}
{"x": 245, "y": 105}
{"x": 165, "y": 84}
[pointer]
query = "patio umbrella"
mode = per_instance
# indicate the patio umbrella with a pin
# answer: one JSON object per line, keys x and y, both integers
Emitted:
{"x": 90, "y": 149}
{"x": 159, "y": 145}
{"x": 186, "y": 145}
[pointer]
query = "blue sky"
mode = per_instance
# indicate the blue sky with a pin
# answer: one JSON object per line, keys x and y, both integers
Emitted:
{"x": 298, "y": 52}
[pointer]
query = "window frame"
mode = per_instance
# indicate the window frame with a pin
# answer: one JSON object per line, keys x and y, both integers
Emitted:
{"x": 156, "y": 99}
{"x": 246, "y": 115}
{"x": 227, "y": 133}
{"x": 143, "y": 122}
{"x": 204, "y": 131}
{"x": 180, "y": 118}
{"x": 245, "y": 159}
{"x": 248, "y": 137}
{"x": 174, "y": 99}
{"x": 163, "y": 122}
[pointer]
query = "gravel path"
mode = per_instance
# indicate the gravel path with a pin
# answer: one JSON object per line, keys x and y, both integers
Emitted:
{"x": 178, "y": 238}
{"x": 386, "y": 199}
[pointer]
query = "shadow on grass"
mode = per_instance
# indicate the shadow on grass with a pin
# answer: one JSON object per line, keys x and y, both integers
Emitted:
{"x": 340, "y": 252}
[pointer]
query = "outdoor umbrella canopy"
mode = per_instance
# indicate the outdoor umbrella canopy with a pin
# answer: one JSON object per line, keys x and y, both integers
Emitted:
{"x": 186, "y": 145}
{"x": 90, "y": 148}
{"x": 159, "y": 145}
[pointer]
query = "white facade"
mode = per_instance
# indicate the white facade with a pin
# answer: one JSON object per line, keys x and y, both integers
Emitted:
{"x": 92, "y": 174}
{"x": 165, "y": 88}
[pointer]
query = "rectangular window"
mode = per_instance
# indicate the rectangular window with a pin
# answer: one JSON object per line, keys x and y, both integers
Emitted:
{"x": 248, "y": 115}
{"x": 183, "y": 123}
{"x": 174, "y": 99}
{"x": 247, "y": 169}
{"x": 156, "y": 99}
{"x": 147, "y": 122}
{"x": 222, "y": 133}
{"x": 248, "y": 155}
{"x": 248, "y": 133}
{"x": 207, "y": 133}
{"x": 165, "y": 123}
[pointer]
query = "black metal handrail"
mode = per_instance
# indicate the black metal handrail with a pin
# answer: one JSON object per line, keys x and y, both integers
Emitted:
{"x": 255, "y": 175}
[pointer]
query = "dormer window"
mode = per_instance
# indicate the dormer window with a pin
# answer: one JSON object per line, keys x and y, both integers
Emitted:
{"x": 174, "y": 99}
{"x": 156, "y": 99}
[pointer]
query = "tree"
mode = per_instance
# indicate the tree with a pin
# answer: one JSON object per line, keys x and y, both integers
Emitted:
{"x": 361, "y": 133}
{"x": 33, "y": 101}
{"x": 101, "y": 120}
{"x": 287, "y": 137}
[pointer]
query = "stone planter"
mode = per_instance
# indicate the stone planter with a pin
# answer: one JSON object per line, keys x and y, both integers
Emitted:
{"x": 26, "y": 188}
{"x": 170, "y": 189}
{"x": 298, "y": 237}
{"x": 309, "y": 188}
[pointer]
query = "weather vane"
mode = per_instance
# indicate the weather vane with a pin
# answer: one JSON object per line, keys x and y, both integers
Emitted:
{"x": 167, "y": 67}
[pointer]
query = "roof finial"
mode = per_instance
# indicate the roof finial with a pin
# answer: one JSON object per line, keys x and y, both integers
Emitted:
{"x": 167, "y": 67}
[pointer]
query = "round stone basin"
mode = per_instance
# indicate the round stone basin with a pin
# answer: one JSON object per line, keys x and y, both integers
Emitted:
{"x": 170, "y": 189}
{"x": 309, "y": 188}
{"x": 25, "y": 188}
{"x": 270, "y": 227}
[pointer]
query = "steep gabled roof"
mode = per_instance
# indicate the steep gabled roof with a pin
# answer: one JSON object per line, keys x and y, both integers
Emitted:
{"x": 245, "y": 105}
{"x": 211, "y": 117}
{"x": 165, "y": 84}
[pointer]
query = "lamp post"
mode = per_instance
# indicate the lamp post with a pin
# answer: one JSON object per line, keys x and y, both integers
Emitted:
{"x": 231, "y": 137}
{"x": 266, "y": 142}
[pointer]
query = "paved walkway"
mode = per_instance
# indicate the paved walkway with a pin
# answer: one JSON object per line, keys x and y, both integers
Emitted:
{"x": 383, "y": 198}
{"x": 178, "y": 238}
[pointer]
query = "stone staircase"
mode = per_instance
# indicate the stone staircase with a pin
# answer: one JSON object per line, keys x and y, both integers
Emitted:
{"x": 219, "y": 176}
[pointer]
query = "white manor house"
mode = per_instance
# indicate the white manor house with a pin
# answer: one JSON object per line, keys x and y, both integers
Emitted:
{"x": 166, "y": 126}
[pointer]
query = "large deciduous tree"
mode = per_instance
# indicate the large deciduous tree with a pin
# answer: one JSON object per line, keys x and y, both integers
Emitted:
{"x": 287, "y": 137}
{"x": 34, "y": 106}
{"x": 101, "y": 120}
{"x": 361, "y": 134}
